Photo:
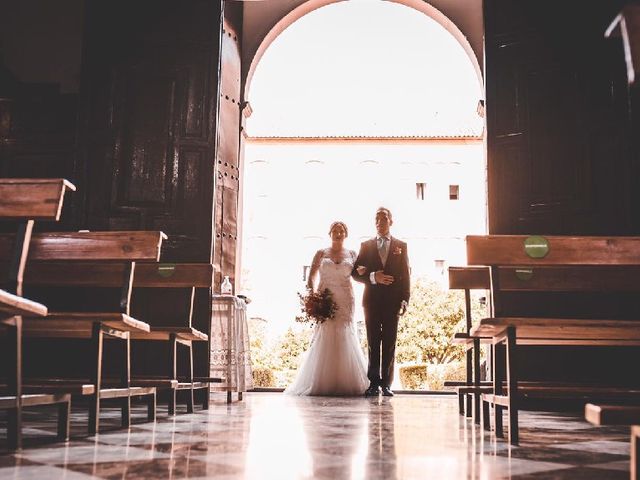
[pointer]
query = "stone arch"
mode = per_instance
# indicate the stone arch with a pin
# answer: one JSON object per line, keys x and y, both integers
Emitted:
{"x": 311, "y": 5}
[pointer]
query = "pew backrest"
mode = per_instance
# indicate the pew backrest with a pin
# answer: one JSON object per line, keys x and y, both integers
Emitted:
{"x": 35, "y": 199}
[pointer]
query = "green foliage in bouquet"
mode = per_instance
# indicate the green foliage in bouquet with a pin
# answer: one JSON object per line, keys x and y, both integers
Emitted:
{"x": 316, "y": 306}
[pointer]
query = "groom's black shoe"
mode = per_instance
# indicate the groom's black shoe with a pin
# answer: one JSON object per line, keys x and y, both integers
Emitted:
{"x": 372, "y": 391}
{"x": 386, "y": 391}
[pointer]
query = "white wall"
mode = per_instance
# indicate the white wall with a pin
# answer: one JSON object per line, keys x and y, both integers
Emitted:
{"x": 294, "y": 190}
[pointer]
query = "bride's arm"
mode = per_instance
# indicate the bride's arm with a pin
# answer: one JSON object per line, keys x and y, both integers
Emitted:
{"x": 359, "y": 272}
{"x": 315, "y": 264}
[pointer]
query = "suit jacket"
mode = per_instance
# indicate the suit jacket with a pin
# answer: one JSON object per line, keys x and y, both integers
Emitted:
{"x": 397, "y": 265}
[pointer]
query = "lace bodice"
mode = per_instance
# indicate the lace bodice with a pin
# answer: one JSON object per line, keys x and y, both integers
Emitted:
{"x": 337, "y": 278}
{"x": 335, "y": 274}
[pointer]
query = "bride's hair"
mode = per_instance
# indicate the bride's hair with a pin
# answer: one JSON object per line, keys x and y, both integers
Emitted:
{"x": 342, "y": 224}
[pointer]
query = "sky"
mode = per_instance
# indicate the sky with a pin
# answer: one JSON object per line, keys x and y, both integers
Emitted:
{"x": 364, "y": 67}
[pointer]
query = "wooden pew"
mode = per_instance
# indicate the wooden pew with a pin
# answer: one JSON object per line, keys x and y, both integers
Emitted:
{"x": 180, "y": 281}
{"x": 62, "y": 263}
{"x": 467, "y": 279}
{"x": 23, "y": 201}
{"x": 552, "y": 264}
{"x": 619, "y": 415}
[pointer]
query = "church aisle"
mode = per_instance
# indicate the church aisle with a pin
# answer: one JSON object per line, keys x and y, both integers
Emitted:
{"x": 273, "y": 436}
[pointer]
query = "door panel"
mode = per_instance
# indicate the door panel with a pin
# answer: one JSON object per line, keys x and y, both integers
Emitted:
{"x": 556, "y": 94}
{"x": 148, "y": 120}
{"x": 149, "y": 131}
{"x": 560, "y": 156}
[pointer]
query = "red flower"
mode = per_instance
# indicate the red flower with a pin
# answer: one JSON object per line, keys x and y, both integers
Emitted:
{"x": 316, "y": 306}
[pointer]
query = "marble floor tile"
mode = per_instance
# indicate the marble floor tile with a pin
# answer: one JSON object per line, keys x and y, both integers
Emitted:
{"x": 98, "y": 453}
{"x": 599, "y": 446}
{"x": 41, "y": 472}
{"x": 273, "y": 436}
{"x": 622, "y": 465}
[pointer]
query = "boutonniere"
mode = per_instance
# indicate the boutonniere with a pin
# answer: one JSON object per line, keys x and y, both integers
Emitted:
{"x": 397, "y": 251}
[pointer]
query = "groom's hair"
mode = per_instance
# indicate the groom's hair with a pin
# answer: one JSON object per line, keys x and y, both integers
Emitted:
{"x": 384, "y": 209}
{"x": 342, "y": 224}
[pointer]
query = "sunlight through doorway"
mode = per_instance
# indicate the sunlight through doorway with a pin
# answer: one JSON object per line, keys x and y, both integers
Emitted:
{"x": 349, "y": 115}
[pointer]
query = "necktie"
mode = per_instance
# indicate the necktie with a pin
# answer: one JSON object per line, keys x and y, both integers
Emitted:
{"x": 383, "y": 249}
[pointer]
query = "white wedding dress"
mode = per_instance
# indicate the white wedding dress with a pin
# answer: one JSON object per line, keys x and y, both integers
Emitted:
{"x": 334, "y": 363}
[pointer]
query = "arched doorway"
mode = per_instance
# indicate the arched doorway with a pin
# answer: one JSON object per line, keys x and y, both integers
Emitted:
{"x": 310, "y": 154}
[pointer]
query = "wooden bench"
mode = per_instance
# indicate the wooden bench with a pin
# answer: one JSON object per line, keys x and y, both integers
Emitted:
{"x": 552, "y": 264}
{"x": 467, "y": 279}
{"x": 173, "y": 325}
{"x": 619, "y": 415}
{"x": 71, "y": 273}
{"x": 24, "y": 201}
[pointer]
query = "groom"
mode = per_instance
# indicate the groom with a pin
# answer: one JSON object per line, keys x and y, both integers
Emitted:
{"x": 383, "y": 266}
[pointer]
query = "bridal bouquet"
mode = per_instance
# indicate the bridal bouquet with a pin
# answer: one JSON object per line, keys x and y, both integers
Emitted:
{"x": 316, "y": 306}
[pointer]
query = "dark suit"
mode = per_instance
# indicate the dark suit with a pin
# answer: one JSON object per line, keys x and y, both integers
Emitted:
{"x": 381, "y": 305}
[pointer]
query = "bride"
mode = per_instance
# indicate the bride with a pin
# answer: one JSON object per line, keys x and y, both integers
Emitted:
{"x": 334, "y": 363}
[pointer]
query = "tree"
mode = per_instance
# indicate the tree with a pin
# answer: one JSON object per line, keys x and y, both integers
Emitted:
{"x": 262, "y": 352}
{"x": 433, "y": 316}
{"x": 293, "y": 344}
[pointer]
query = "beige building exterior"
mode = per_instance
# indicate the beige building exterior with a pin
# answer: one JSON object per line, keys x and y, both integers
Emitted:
{"x": 295, "y": 187}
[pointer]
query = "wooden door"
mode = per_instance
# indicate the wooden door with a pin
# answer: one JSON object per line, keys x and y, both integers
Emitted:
{"x": 558, "y": 133}
{"x": 159, "y": 129}
{"x": 560, "y": 155}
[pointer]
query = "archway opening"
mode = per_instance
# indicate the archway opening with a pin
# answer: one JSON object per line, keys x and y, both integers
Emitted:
{"x": 349, "y": 115}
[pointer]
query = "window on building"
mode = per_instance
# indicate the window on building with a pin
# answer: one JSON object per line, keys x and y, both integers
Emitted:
{"x": 439, "y": 265}
{"x": 421, "y": 188}
{"x": 454, "y": 192}
{"x": 305, "y": 272}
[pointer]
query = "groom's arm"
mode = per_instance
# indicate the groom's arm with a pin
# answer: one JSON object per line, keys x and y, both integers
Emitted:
{"x": 360, "y": 262}
{"x": 406, "y": 275}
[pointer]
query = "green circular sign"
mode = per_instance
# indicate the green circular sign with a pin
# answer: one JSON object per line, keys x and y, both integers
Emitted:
{"x": 166, "y": 269}
{"x": 524, "y": 274}
{"x": 536, "y": 246}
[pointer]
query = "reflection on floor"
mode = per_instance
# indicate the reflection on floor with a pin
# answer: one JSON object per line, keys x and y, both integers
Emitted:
{"x": 273, "y": 436}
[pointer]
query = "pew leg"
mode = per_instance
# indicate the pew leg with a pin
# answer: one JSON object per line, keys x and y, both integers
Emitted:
{"x": 64, "y": 414}
{"x": 94, "y": 403}
{"x": 151, "y": 407}
{"x": 497, "y": 412}
{"x": 190, "y": 373}
{"x": 477, "y": 397}
{"x": 635, "y": 455}
{"x": 460, "y": 403}
{"x": 486, "y": 417}
{"x": 14, "y": 428}
{"x": 205, "y": 398}
{"x": 126, "y": 382}
{"x": 173, "y": 372}
{"x": 125, "y": 409}
{"x": 14, "y": 415}
{"x": 498, "y": 377}
{"x": 512, "y": 386}
{"x": 172, "y": 400}
{"x": 469, "y": 380}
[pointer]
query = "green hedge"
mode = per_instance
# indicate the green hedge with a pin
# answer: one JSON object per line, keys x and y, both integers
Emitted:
{"x": 263, "y": 377}
{"x": 414, "y": 377}
{"x": 424, "y": 376}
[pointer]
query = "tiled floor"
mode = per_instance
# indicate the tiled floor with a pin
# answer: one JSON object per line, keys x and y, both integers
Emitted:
{"x": 273, "y": 436}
